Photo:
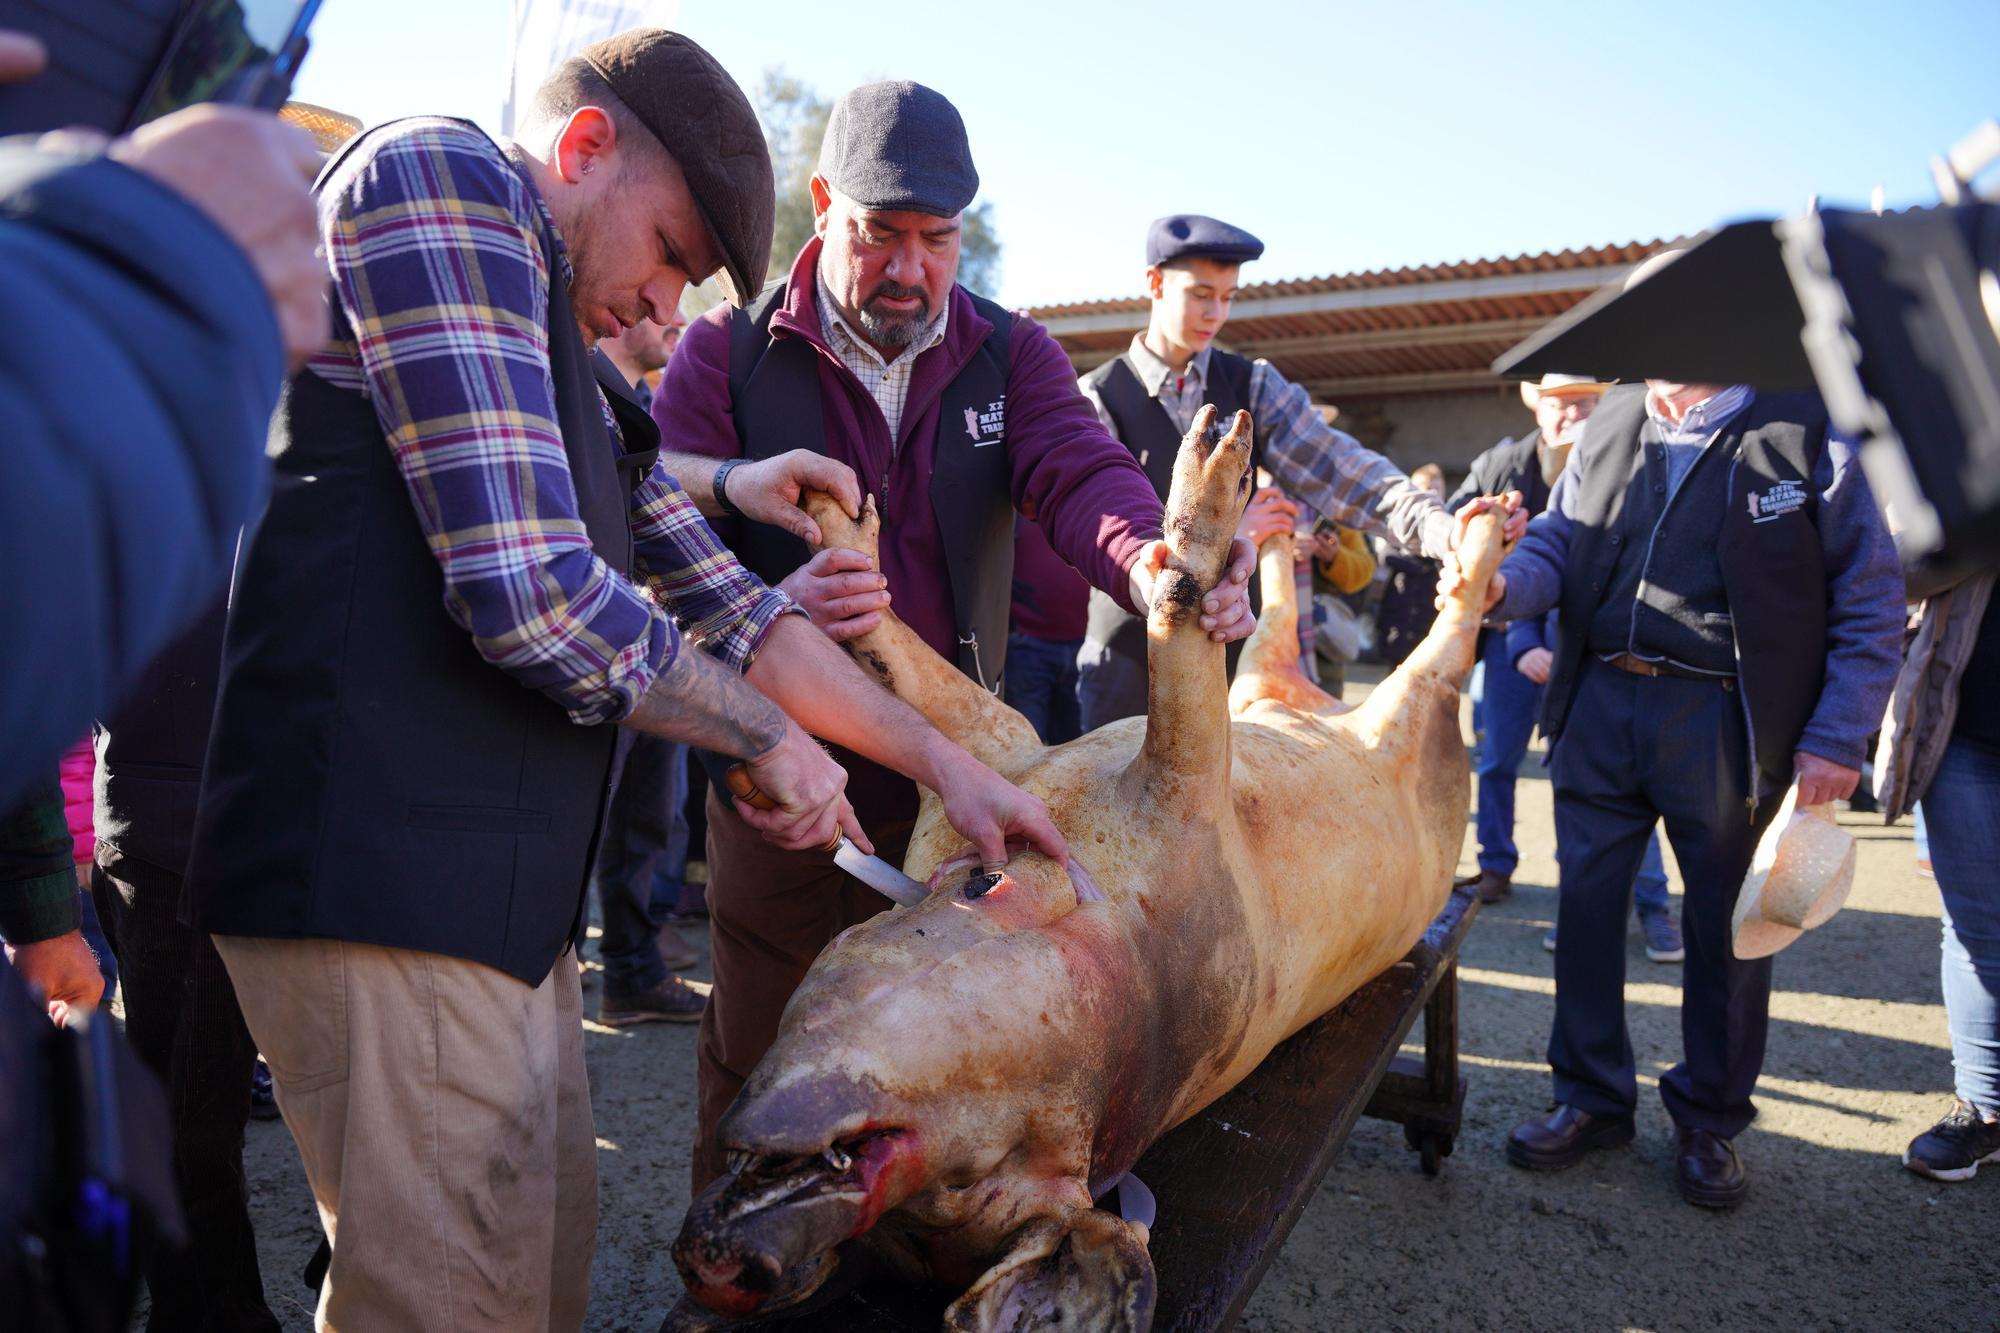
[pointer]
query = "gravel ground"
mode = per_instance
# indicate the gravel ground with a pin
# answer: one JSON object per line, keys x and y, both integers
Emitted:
{"x": 1834, "y": 1234}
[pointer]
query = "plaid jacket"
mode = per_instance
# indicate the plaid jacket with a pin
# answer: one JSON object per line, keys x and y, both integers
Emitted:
{"x": 440, "y": 291}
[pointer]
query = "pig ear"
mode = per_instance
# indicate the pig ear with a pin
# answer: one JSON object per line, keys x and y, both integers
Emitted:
{"x": 1087, "y": 1269}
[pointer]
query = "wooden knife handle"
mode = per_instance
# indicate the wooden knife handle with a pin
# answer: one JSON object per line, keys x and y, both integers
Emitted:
{"x": 744, "y": 788}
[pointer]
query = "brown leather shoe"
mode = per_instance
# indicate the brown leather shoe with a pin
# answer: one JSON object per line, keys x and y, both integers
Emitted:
{"x": 1711, "y": 1175}
{"x": 1561, "y": 1139}
{"x": 672, "y": 1001}
{"x": 1492, "y": 886}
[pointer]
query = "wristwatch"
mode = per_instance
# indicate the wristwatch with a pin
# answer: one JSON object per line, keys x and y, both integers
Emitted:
{"x": 721, "y": 493}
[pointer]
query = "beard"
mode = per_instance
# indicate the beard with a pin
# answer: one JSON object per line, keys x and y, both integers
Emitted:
{"x": 895, "y": 328}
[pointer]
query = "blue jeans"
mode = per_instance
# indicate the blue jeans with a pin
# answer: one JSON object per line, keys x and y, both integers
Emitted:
{"x": 1962, "y": 815}
{"x": 1040, "y": 685}
{"x": 1505, "y": 711}
{"x": 644, "y": 825}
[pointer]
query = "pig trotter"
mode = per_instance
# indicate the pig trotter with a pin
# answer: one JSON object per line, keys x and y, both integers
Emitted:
{"x": 1089, "y": 1269}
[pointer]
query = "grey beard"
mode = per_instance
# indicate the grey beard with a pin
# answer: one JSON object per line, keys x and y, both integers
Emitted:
{"x": 898, "y": 332}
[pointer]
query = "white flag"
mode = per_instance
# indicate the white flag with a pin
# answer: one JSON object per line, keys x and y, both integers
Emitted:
{"x": 548, "y": 32}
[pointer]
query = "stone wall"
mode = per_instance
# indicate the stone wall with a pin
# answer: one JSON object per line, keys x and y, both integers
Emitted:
{"x": 1449, "y": 429}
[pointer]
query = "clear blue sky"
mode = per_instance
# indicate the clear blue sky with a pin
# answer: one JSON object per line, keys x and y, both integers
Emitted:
{"x": 1348, "y": 136}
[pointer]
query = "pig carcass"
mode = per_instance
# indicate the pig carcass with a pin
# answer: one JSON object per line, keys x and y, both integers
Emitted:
{"x": 954, "y": 1082}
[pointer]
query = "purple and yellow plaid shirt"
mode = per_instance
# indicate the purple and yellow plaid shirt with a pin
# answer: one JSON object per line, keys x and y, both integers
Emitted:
{"x": 440, "y": 288}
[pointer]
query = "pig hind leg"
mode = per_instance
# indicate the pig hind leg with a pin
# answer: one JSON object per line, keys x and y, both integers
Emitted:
{"x": 1086, "y": 1269}
{"x": 1269, "y": 667}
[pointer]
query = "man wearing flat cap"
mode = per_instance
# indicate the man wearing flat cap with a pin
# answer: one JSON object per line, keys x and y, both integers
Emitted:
{"x": 954, "y": 414}
{"x": 472, "y": 567}
{"x": 1148, "y": 395}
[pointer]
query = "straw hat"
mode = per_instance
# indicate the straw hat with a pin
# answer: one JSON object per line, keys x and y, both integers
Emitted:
{"x": 1798, "y": 879}
{"x": 1559, "y": 386}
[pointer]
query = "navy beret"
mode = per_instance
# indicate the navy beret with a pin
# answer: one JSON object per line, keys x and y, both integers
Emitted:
{"x": 1192, "y": 236}
{"x": 899, "y": 146}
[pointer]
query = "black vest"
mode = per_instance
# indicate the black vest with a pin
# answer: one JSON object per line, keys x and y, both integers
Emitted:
{"x": 371, "y": 778}
{"x": 1514, "y": 465}
{"x": 149, "y": 752}
{"x": 1143, "y": 426}
{"x": 1767, "y": 550}
{"x": 1664, "y": 595}
{"x": 774, "y": 398}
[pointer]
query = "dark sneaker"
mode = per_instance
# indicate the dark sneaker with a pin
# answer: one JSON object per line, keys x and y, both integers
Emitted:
{"x": 1663, "y": 936}
{"x": 1953, "y": 1148}
{"x": 672, "y": 1001}
{"x": 1492, "y": 886}
{"x": 263, "y": 1100}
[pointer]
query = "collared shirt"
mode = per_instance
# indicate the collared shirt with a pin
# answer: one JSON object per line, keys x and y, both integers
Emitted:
{"x": 887, "y": 381}
{"x": 1327, "y": 470}
{"x": 441, "y": 289}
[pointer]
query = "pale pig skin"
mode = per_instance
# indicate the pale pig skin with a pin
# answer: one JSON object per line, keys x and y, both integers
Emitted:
{"x": 959, "y": 1078}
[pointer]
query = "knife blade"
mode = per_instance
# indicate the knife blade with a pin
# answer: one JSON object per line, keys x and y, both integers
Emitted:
{"x": 873, "y": 871}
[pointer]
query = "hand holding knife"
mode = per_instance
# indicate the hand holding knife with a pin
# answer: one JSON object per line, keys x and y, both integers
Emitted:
{"x": 873, "y": 871}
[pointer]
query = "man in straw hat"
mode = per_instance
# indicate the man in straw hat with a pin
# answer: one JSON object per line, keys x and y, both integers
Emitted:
{"x": 429, "y": 636}
{"x": 1731, "y": 615}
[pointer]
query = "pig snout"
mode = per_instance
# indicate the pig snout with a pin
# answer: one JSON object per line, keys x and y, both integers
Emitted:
{"x": 763, "y": 1238}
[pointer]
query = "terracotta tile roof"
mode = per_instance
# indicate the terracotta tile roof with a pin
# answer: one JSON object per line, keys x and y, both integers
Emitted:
{"x": 1403, "y": 330}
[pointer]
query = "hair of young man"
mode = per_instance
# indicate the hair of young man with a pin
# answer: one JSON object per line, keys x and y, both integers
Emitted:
{"x": 573, "y": 84}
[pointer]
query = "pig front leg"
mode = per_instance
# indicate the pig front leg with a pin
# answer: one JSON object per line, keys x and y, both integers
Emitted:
{"x": 1085, "y": 1269}
{"x": 992, "y": 732}
{"x": 1187, "y": 718}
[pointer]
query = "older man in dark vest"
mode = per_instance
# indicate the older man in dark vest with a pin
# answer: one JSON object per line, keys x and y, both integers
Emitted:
{"x": 1731, "y": 615}
{"x": 1149, "y": 393}
{"x": 430, "y": 635}
{"x": 954, "y": 414}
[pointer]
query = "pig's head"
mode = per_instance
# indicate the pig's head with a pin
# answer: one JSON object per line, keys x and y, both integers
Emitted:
{"x": 907, "y": 1069}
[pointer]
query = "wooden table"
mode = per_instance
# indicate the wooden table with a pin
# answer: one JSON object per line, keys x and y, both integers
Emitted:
{"x": 1232, "y": 1181}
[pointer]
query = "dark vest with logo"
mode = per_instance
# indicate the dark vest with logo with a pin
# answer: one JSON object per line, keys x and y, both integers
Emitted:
{"x": 149, "y": 752}
{"x": 1143, "y": 426}
{"x": 774, "y": 398}
{"x": 371, "y": 778}
{"x": 1741, "y": 542}
{"x": 1514, "y": 465}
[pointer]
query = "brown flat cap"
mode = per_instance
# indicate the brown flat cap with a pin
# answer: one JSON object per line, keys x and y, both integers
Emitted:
{"x": 687, "y": 99}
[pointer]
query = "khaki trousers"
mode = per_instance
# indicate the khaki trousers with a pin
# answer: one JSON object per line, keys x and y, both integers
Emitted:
{"x": 443, "y": 1115}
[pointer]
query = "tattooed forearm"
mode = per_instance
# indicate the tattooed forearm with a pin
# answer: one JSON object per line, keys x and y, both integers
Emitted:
{"x": 702, "y": 702}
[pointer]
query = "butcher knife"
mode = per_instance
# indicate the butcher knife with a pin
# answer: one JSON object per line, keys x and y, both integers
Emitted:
{"x": 873, "y": 871}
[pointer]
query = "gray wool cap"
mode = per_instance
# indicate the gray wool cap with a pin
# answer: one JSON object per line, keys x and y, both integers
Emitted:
{"x": 899, "y": 146}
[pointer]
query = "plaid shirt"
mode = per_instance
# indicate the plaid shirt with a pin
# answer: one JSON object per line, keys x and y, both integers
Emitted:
{"x": 441, "y": 289}
{"x": 887, "y": 382}
{"x": 1326, "y": 470}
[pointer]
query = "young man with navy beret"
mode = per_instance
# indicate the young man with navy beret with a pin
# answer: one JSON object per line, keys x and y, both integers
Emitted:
{"x": 1148, "y": 396}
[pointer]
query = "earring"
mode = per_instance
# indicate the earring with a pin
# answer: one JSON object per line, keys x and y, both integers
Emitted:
{"x": 589, "y": 165}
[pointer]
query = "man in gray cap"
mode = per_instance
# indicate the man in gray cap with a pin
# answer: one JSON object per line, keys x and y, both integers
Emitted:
{"x": 954, "y": 414}
{"x": 471, "y": 567}
{"x": 1147, "y": 396}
